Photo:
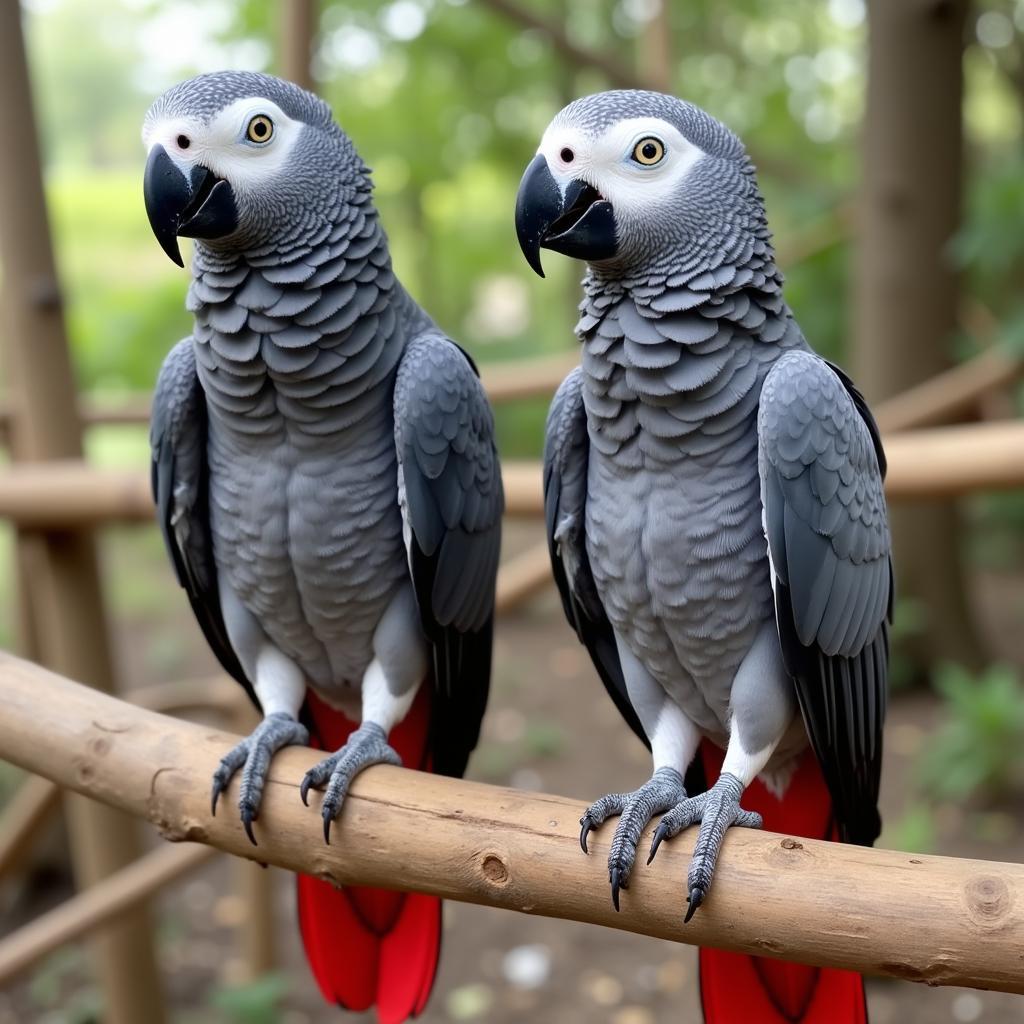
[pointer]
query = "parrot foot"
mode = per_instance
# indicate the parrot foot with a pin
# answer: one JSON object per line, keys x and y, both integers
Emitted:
{"x": 716, "y": 810}
{"x": 663, "y": 790}
{"x": 255, "y": 751}
{"x": 368, "y": 745}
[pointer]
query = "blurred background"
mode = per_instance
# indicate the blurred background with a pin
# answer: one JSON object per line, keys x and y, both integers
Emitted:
{"x": 890, "y": 150}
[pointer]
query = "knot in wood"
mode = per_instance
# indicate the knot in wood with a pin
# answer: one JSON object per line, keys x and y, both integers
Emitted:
{"x": 988, "y": 899}
{"x": 789, "y": 854}
{"x": 494, "y": 869}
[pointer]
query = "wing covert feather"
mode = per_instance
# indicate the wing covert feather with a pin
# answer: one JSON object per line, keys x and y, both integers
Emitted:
{"x": 452, "y": 502}
{"x": 822, "y": 466}
{"x": 179, "y": 475}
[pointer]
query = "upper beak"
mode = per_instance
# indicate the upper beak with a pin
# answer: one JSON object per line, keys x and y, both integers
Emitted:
{"x": 578, "y": 222}
{"x": 199, "y": 206}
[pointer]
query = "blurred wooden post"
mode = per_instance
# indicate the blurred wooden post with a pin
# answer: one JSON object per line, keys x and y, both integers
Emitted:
{"x": 67, "y": 606}
{"x": 298, "y": 20}
{"x": 656, "y": 48}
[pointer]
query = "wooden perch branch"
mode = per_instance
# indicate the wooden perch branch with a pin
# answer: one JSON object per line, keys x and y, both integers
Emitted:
{"x": 931, "y": 919}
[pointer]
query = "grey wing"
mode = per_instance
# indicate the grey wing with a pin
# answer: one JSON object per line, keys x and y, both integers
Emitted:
{"x": 179, "y": 470}
{"x": 566, "y": 454}
{"x": 452, "y": 502}
{"x": 825, "y": 518}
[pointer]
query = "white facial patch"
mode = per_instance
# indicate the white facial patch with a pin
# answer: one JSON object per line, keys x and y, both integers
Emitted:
{"x": 222, "y": 145}
{"x": 606, "y": 162}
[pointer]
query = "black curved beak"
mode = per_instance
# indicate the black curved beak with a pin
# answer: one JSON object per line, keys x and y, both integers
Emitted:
{"x": 200, "y": 206}
{"x": 580, "y": 223}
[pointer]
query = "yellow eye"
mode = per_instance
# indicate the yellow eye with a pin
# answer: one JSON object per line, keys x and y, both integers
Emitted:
{"x": 260, "y": 129}
{"x": 649, "y": 151}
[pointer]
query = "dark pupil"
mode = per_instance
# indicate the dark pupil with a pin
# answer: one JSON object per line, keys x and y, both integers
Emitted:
{"x": 259, "y": 129}
{"x": 567, "y": 155}
{"x": 650, "y": 150}
{"x": 183, "y": 141}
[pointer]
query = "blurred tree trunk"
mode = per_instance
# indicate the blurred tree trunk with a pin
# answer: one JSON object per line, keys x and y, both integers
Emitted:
{"x": 655, "y": 51}
{"x": 297, "y": 21}
{"x": 905, "y": 308}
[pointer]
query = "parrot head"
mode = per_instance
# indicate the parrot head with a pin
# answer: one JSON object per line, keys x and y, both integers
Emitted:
{"x": 629, "y": 179}
{"x": 244, "y": 160}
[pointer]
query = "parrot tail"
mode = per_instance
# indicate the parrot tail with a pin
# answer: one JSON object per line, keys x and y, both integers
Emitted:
{"x": 372, "y": 947}
{"x": 740, "y": 989}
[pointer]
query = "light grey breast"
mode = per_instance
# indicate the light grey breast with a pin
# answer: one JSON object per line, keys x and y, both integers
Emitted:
{"x": 296, "y": 351}
{"x": 673, "y": 365}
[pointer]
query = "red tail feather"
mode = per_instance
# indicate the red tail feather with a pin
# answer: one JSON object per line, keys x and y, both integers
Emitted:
{"x": 740, "y": 989}
{"x": 371, "y": 947}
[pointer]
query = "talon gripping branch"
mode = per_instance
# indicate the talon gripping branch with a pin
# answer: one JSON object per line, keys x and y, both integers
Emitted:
{"x": 327, "y": 483}
{"x": 714, "y": 506}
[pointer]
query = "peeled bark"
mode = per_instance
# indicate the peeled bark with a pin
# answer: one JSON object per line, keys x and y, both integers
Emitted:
{"x": 905, "y": 308}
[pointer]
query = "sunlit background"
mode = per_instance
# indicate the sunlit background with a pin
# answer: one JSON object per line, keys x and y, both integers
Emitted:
{"x": 446, "y": 101}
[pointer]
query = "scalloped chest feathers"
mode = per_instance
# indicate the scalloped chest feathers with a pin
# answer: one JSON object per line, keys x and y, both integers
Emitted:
{"x": 297, "y": 358}
{"x": 672, "y": 378}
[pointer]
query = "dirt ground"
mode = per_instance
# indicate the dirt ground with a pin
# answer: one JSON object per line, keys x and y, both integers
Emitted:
{"x": 550, "y": 728}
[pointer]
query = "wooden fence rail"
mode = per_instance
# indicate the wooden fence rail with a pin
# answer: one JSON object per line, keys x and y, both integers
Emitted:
{"x": 941, "y": 399}
{"x": 537, "y": 377}
{"x": 937, "y": 462}
{"x": 937, "y": 920}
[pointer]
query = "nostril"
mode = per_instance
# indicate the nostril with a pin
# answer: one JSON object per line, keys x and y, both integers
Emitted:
{"x": 184, "y": 141}
{"x": 567, "y": 155}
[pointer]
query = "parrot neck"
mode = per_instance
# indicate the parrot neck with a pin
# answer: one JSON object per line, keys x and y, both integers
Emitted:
{"x": 673, "y": 358}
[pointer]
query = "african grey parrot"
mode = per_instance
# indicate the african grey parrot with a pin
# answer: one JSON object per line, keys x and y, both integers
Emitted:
{"x": 326, "y": 479}
{"x": 715, "y": 512}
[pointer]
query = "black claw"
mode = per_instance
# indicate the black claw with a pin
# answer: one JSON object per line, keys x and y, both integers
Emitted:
{"x": 614, "y": 878}
{"x": 659, "y": 834}
{"x": 214, "y": 798}
{"x": 584, "y": 832}
{"x": 247, "y": 820}
{"x": 304, "y": 789}
{"x": 328, "y": 818}
{"x": 695, "y": 899}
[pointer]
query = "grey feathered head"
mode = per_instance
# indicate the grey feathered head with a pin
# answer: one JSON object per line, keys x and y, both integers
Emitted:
{"x": 636, "y": 182}
{"x": 245, "y": 161}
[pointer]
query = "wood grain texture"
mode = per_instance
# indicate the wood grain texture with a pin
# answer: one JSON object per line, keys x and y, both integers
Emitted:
{"x": 937, "y": 920}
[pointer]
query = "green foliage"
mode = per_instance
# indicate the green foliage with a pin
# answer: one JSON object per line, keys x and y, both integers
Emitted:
{"x": 977, "y": 750}
{"x": 255, "y": 1003}
{"x": 124, "y": 309}
{"x": 909, "y": 620}
{"x": 543, "y": 739}
{"x": 56, "y": 992}
{"x": 914, "y": 832}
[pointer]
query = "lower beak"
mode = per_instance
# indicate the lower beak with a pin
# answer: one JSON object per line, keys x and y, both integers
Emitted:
{"x": 199, "y": 206}
{"x": 578, "y": 222}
